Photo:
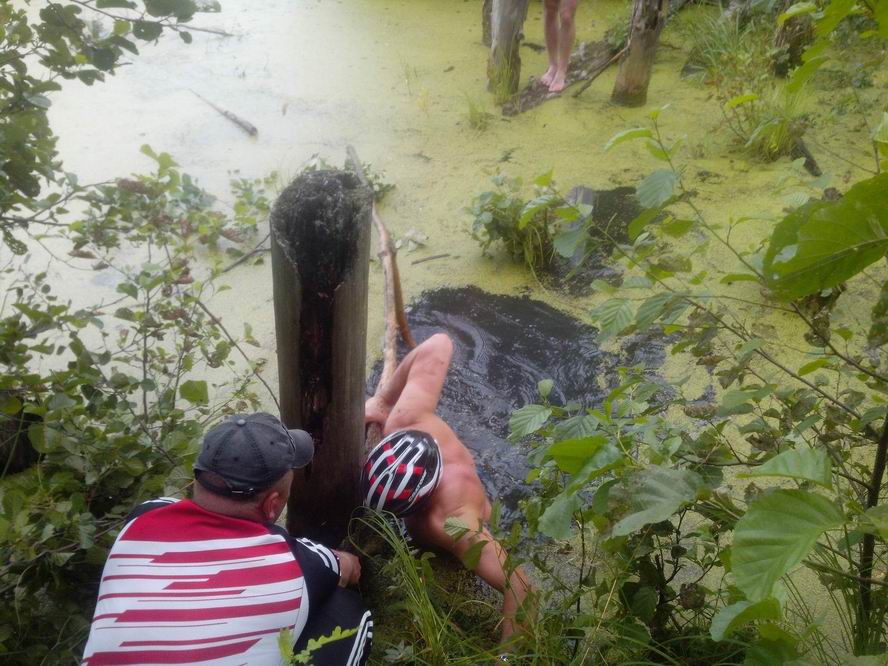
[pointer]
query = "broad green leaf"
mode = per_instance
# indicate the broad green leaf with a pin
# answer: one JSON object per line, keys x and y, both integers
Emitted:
{"x": 876, "y": 519}
{"x": 802, "y": 74}
{"x": 528, "y": 420}
{"x": 534, "y": 206}
{"x": 456, "y": 528}
{"x": 651, "y": 309}
{"x": 776, "y": 533}
{"x": 823, "y": 244}
{"x": 657, "y": 188}
{"x": 613, "y": 315}
{"x": 654, "y": 494}
{"x": 639, "y": 223}
{"x": 570, "y": 455}
{"x": 808, "y": 368}
{"x": 557, "y": 519}
{"x": 833, "y": 13}
{"x": 798, "y": 9}
{"x": 739, "y": 614}
{"x": 566, "y": 242}
{"x": 576, "y": 427}
{"x": 628, "y": 135}
{"x": 802, "y": 464}
{"x": 9, "y": 404}
{"x": 881, "y": 15}
{"x": 194, "y": 392}
{"x": 677, "y": 227}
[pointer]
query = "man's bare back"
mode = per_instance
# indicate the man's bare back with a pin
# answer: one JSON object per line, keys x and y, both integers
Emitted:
{"x": 408, "y": 401}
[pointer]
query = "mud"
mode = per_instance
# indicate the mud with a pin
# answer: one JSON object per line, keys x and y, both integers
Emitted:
{"x": 503, "y": 347}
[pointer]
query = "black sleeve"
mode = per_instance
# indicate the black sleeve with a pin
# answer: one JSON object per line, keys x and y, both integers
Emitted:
{"x": 319, "y": 565}
{"x": 150, "y": 505}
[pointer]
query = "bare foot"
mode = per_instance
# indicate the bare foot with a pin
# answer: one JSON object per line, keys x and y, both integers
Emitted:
{"x": 556, "y": 85}
{"x": 549, "y": 75}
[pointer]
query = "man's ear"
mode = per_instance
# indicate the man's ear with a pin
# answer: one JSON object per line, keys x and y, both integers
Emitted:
{"x": 272, "y": 505}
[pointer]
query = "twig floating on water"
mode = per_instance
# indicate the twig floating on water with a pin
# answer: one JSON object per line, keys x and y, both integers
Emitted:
{"x": 432, "y": 258}
{"x": 246, "y": 126}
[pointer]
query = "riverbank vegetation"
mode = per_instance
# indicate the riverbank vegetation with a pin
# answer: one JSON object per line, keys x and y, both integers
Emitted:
{"x": 681, "y": 521}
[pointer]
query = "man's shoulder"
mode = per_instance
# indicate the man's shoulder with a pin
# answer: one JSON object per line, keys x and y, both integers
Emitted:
{"x": 310, "y": 554}
{"x": 148, "y": 506}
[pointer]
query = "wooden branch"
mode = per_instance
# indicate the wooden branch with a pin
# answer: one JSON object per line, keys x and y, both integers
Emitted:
{"x": 395, "y": 319}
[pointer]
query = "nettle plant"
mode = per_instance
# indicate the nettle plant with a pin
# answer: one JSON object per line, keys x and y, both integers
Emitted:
{"x": 779, "y": 466}
{"x": 110, "y": 398}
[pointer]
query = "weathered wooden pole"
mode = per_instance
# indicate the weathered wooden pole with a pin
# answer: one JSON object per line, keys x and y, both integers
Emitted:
{"x": 634, "y": 75}
{"x": 486, "y": 9}
{"x": 504, "y": 64}
{"x": 320, "y": 253}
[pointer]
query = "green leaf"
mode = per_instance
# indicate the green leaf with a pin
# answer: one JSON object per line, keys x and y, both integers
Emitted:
{"x": 194, "y": 392}
{"x": 677, "y": 227}
{"x": 798, "y": 9}
{"x": 576, "y": 427}
{"x": 878, "y": 333}
{"x": 651, "y": 309}
{"x": 566, "y": 242}
{"x": 528, "y": 420}
{"x": 570, "y": 455}
{"x": 147, "y": 30}
{"x": 639, "y": 223}
{"x": 776, "y": 533}
{"x": 802, "y": 74}
{"x": 613, "y": 315}
{"x": 802, "y": 464}
{"x": 657, "y": 188}
{"x": 876, "y": 518}
{"x": 808, "y": 368}
{"x": 534, "y": 206}
{"x": 739, "y": 614}
{"x": 628, "y": 135}
{"x": 833, "y": 14}
{"x": 822, "y": 244}
{"x": 456, "y": 529}
{"x": 557, "y": 519}
{"x": 9, "y": 404}
{"x": 739, "y": 100}
{"x": 654, "y": 494}
{"x": 739, "y": 277}
{"x": 472, "y": 556}
{"x": 544, "y": 387}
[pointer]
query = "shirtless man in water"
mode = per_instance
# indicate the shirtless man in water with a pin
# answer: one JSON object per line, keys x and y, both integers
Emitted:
{"x": 408, "y": 402}
{"x": 560, "y": 25}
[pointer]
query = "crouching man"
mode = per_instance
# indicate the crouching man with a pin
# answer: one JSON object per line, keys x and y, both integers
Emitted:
{"x": 424, "y": 473}
{"x": 212, "y": 580}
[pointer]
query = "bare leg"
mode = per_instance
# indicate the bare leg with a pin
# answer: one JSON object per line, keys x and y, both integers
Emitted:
{"x": 551, "y": 27}
{"x": 567, "y": 13}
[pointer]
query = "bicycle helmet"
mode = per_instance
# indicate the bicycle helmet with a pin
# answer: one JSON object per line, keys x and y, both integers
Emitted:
{"x": 401, "y": 472}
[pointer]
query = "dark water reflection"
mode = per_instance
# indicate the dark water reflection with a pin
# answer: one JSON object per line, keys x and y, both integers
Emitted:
{"x": 503, "y": 346}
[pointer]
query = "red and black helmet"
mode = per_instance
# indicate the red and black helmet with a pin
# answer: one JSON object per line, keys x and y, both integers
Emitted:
{"x": 401, "y": 472}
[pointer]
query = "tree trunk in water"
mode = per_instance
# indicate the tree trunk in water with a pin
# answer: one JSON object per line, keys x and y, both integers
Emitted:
{"x": 634, "y": 75}
{"x": 320, "y": 255}
{"x": 486, "y": 9}
{"x": 504, "y": 65}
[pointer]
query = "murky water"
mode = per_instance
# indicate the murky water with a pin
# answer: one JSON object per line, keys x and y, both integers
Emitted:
{"x": 503, "y": 347}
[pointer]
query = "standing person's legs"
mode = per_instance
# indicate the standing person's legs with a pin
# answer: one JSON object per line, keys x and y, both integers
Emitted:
{"x": 551, "y": 28}
{"x": 567, "y": 12}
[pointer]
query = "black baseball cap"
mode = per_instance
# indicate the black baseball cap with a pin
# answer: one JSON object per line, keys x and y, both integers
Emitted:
{"x": 249, "y": 453}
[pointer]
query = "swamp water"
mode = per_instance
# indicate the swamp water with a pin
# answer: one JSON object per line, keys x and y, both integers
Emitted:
{"x": 503, "y": 347}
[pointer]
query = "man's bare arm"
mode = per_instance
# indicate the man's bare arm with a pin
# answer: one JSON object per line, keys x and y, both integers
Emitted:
{"x": 415, "y": 387}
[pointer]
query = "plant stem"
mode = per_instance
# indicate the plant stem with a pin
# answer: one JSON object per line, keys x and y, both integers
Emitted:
{"x": 869, "y": 540}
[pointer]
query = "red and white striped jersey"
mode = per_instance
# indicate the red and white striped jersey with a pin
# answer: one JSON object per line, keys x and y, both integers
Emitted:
{"x": 185, "y": 585}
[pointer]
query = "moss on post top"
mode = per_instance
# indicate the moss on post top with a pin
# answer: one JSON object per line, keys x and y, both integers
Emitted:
{"x": 317, "y": 220}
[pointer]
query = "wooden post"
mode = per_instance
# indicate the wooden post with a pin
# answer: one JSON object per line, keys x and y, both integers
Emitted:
{"x": 634, "y": 75}
{"x": 504, "y": 65}
{"x": 486, "y": 9}
{"x": 320, "y": 254}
